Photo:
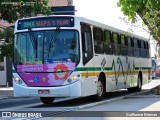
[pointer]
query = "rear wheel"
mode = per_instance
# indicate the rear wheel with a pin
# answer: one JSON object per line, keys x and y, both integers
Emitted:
{"x": 100, "y": 89}
{"x": 139, "y": 85}
{"x": 47, "y": 100}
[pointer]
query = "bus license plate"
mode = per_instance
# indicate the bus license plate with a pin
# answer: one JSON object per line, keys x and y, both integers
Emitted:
{"x": 43, "y": 91}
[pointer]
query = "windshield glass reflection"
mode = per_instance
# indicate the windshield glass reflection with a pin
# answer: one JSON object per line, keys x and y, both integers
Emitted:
{"x": 43, "y": 47}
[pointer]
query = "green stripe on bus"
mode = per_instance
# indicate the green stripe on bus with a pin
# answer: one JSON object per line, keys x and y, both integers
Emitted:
{"x": 88, "y": 69}
{"x": 106, "y": 68}
{"x": 146, "y": 68}
{"x": 92, "y": 69}
{"x": 143, "y": 68}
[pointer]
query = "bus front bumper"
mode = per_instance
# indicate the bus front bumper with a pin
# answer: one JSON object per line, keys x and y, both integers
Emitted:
{"x": 71, "y": 90}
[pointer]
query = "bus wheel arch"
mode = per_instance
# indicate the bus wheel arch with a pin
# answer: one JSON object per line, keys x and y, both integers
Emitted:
{"x": 101, "y": 86}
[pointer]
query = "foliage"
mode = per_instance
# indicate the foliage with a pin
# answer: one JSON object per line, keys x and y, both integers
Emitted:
{"x": 11, "y": 10}
{"x": 7, "y": 49}
{"x": 148, "y": 10}
{"x": 3, "y": 34}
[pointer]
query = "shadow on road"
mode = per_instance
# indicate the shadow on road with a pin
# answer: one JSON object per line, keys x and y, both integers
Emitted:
{"x": 83, "y": 101}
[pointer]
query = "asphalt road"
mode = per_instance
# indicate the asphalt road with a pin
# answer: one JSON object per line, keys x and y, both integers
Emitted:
{"x": 115, "y": 102}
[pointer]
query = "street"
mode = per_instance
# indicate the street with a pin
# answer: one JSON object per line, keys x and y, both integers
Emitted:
{"x": 114, "y": 102}
{"x": 60, "y": 103}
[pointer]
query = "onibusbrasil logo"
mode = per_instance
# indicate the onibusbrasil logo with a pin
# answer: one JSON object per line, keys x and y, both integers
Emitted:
{"x": 22, "y": 3}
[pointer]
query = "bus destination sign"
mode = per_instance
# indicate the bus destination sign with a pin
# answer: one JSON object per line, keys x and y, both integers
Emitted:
{"x": 45, "y": 22}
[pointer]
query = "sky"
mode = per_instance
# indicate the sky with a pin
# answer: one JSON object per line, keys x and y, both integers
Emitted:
{"x": 105, "y": 11}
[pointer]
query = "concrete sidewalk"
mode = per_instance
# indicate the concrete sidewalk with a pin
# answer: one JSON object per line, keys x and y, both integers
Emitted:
{"x": 143, "y": 102}
{"x": 148, "y": 102}
{"x": 6, "y": 92}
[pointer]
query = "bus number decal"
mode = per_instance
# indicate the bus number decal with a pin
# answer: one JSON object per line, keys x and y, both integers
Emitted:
{"x": 103, "y": 63}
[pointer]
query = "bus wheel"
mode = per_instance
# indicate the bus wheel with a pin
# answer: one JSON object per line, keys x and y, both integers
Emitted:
{"x": 139, "y": 85}
{"x": 100, "y": 89}
{"x": 47, "y": 100}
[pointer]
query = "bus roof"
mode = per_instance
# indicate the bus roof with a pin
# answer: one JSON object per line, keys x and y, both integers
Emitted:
{"x": 93, "y": 23}
{"x": 111, "y": 28}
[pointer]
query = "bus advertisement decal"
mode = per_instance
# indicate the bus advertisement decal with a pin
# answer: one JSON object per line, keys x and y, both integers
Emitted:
{"x": 45, "y": 74}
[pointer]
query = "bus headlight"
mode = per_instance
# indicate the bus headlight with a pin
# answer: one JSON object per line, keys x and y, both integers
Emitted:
{"x": 72, "y": 79}
{"x": 69, "y": 80}
{"x": 18, "y": 80}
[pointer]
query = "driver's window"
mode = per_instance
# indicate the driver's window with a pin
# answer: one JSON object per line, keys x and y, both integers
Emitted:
{"x": 87, "y": 46}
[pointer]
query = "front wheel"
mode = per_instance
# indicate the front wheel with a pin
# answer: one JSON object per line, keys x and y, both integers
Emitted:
{"x": 47, "y": 100}
{"x": 100, "y": 90}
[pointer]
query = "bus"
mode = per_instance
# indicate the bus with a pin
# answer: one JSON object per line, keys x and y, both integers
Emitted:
{"x": 71, "y": 56}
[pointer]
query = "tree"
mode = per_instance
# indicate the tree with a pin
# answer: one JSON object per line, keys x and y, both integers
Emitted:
{"x": 7, "y": 49}
{"x": 148, "y": 10}
{"x": 11, "y": 10}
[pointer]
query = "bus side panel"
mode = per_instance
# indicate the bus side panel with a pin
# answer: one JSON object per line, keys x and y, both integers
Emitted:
{"x": 103, "y": 63}
{"x": 89, "y": 79}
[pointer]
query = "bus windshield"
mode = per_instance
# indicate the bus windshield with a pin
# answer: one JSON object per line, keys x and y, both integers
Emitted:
{"x": 47, "y": 46}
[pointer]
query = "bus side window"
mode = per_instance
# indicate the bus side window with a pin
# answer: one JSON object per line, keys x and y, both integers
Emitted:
{"x": 130, "y": 46}
{"x": 107, "y": 42}
{"x": 98, "y": 40}
{"x": 136, "y": 48}
{"x": 139, "y": 47}
{"x": 124, "y": 44}
{"x": 86, "y": 43}
{"x": 147, "y": 46}
{"x": 116, "y": 45}
{"x": 143, "y": 47}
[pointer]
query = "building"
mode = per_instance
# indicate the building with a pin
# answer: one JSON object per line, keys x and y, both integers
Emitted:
{"x": 153, "y": 46}
{"x": 3, "y": 24}
{"x": 52, "y": 3}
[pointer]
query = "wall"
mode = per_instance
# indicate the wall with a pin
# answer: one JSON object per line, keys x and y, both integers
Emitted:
{"x": 3, "y": 76}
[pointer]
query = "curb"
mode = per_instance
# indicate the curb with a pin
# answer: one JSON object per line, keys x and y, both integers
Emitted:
{"x": 111, "y": 100}
{"x": 6, "y": 93}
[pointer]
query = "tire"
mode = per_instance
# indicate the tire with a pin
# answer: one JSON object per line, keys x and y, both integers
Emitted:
{"x": 100, "y": 89}
{"x": 47, "y": 100}
{"x": 130, "y": 89}
{"x": 139, "y": 85}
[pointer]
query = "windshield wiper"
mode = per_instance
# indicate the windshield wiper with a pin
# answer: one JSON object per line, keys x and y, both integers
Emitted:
{"x": 54, "y": 37}
{"x": 33, "y": 40}
{"x": 49, "y": 72}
